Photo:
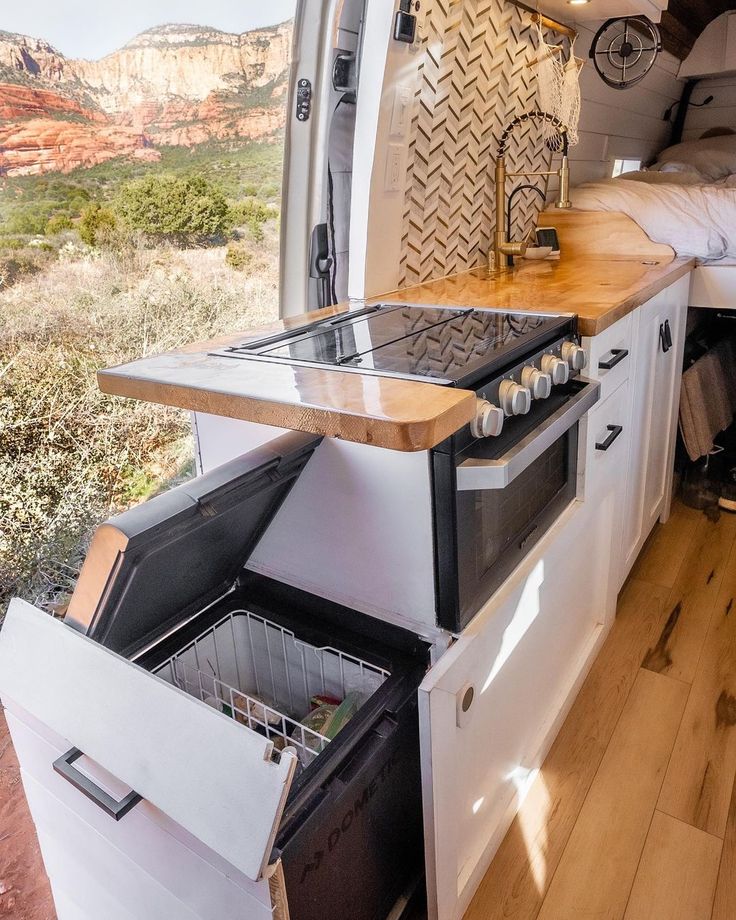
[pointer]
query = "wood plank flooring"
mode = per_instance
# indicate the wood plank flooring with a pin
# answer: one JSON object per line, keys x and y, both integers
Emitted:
{"x": 639, "y": 820}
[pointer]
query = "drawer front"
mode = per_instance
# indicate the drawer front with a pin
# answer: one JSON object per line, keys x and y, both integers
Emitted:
{"x": 607, "y": 440}
{"x": 608, "y": 349}
{"x": 143, "y": 837}
{"x": 607, "y": 449}
{"x": 207, "y": 773}
{"x": 522, "y": 658}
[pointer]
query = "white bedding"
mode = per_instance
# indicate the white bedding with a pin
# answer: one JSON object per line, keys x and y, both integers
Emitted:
{"x": 696, "y": 220}
{"x": 687, "y": 199}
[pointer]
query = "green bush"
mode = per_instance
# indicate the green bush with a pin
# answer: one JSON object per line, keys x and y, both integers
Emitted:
{"x": 30, "y": 220}
{"x": 96, "y": 223}
{"x": 178, "y": 208}
{"x": 252, "y": 214}
{"x": 58, "y": 224}
{"x": 238, "y": 257}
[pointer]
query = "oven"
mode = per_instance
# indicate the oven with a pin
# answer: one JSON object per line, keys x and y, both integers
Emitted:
{"x": 495, "y": 497}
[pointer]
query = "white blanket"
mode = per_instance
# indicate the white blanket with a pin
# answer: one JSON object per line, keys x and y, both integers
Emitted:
{"x": 696, "y": 220}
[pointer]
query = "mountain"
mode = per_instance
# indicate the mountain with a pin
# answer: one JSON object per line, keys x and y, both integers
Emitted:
{"x": 175, "y": 84}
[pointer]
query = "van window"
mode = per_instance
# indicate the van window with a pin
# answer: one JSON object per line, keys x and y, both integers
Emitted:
{"x": 625, "y": 165}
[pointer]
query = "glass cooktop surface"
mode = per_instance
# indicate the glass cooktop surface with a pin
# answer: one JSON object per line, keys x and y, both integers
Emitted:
{"x": 407, "y": 340}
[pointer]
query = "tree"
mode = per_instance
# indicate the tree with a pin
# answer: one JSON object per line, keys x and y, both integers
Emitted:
{"x": 95, "y": 224}
{"x": 176, "y": 208}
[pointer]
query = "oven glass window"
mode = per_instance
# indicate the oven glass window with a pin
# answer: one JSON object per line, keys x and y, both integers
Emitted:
{"x": 496, "y": 528}
{"x": 506, "y": 516}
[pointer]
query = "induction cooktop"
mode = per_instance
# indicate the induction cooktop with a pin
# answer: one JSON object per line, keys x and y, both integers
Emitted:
{"x": 450, "y": 346}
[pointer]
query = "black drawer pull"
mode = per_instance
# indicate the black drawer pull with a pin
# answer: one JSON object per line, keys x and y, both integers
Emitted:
{"x": 615, "y": 432}
{"x": 668, "y": 334}
{"x": 617, "y": 356}
{"x": 665, "y": 338}
{"x": 64, "y": 766}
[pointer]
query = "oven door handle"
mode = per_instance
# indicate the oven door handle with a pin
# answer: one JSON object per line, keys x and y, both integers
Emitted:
{"x": 476, "y": 475}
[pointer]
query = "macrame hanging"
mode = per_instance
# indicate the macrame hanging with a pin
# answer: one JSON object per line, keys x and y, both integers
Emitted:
{"x": 558, "y": 81}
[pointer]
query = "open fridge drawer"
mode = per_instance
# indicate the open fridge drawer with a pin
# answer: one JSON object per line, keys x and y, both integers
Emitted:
{"x": 172, "y": 749}
{"x": 246, "y": 714}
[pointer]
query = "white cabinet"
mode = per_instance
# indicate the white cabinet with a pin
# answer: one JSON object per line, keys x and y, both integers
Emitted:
{"x": 492, "y": 705}
{"x": 654, "y": 400}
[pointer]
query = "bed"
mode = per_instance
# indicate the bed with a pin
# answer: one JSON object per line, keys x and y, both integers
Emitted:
{"x": 687, "y": 199}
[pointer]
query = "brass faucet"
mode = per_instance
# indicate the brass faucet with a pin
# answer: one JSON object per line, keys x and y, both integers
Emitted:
{"x": 502, "y": 246}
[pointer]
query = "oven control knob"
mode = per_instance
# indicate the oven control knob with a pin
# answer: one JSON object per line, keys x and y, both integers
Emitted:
{"x": 514, "y": 398}
{"x": 556, "y": 368}
{"x": 538, "y": 382}
{"x": 488, "y": 421}
{"x": 574, "y": 355}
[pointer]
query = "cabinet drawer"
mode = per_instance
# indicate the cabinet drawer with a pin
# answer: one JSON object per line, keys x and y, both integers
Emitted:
{"x": 150, "y": 735}
{"x": 607, "y": 440}
{"x": 613, "y": 347}
{"x": 490, "y": 707}
{"x": 145, "y": 837}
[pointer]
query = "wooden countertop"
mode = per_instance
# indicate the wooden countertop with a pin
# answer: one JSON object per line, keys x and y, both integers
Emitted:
{"x": 600, "y": 291}
{"x": 383, "y": 411}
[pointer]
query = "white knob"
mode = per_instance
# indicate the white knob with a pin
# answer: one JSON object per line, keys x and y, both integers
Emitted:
{"x": 514, "y": 398}
{"x": 538, "y": 382}
{"x": 556, "y": 368}
{"x": 488, "y": 421}
{"x": 574, "y": 355}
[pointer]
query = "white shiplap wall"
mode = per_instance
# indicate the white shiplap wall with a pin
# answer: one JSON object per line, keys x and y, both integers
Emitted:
{"x": 620, "y": 123}
{"x": 721, "y": 113}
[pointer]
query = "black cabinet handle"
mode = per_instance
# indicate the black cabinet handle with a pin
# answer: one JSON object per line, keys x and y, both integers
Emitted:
{"x": 617, "y": 356}
{"x": 668, "y": 333}
{"x": 64, "y": 766}
{"x": 665, "y": 340}
{"x": 615, "y": 432}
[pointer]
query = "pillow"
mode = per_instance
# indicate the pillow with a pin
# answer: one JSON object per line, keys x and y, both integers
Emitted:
{"x": 714, "y": 157}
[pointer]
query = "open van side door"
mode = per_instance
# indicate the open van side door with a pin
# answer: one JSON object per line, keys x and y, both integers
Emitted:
{"x": 318, "y": 155}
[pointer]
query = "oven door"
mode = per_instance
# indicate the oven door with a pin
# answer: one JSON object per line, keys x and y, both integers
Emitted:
{"x": 502, "y": 494}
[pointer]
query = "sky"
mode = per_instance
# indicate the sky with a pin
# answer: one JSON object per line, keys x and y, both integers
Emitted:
{"x": 93, "y": 28}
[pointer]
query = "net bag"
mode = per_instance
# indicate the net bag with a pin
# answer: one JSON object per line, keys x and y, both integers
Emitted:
{"x": 558, "y": 82}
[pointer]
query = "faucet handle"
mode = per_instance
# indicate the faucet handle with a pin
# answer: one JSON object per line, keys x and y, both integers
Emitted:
{"x": 514, "y": 249}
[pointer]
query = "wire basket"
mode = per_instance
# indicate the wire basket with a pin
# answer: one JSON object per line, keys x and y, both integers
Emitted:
{"x": 260, "y": 674}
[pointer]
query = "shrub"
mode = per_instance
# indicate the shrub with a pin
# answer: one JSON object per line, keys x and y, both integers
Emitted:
{"x": 58, "y": 224}
{"x": 180, "y": 209}
{"x": 252, "y": 214}
{"x": 238, "y": 257}
{"x": 96, "y": 223}
{"x": 30, "y": 220}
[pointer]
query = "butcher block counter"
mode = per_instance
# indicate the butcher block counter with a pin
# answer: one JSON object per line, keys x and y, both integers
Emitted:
{"x": 388, "y": 412}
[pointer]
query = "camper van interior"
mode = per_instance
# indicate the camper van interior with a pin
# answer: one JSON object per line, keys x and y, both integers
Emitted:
{"x": 442, "y": 625}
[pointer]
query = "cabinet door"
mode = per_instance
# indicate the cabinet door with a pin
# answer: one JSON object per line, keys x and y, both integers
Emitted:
{"x": 491, "y": 706}
{"x": 654, "y": 398}
{"x": 665, "y": 405}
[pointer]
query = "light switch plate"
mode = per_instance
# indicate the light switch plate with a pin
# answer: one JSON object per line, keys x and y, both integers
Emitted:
{"x": 401, "y": 110}
{"x": 394, "y": 171}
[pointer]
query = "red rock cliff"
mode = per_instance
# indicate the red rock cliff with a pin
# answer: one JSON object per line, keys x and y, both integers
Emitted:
{"x": 172, "y": 85}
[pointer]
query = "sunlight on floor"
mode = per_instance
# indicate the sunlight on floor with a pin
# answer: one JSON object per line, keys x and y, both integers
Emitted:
{"x": 535, "y": 806}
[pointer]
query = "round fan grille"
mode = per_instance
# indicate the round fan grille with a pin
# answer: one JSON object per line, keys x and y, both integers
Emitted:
{"x": 624, "y": 50}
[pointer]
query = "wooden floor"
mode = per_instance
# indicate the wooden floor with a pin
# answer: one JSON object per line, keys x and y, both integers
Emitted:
{"x": 633, "y": 816}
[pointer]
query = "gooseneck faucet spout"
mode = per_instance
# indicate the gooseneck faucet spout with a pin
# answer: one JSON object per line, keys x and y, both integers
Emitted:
{"x": 503, "y": 248}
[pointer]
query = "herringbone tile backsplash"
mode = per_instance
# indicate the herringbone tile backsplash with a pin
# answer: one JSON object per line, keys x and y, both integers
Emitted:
{"x": 473, "y": 79}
